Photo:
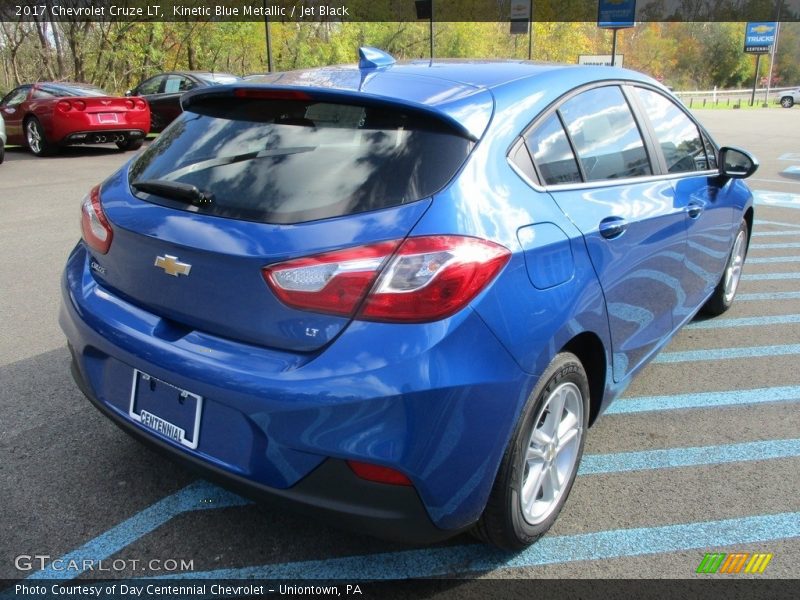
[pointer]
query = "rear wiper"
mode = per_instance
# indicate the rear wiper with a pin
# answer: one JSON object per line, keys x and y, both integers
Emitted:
{"x": 222, "y": 161}
{"x": 174, "y": 189}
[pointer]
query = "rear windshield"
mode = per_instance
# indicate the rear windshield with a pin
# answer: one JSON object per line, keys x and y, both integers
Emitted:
{"x": 288, "y": 161}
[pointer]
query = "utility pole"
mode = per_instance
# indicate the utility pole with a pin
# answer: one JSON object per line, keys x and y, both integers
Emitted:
{"x": 269, "y": 39}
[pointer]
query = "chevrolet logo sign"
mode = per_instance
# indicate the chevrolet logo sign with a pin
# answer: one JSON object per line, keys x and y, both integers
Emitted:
{"x": 762, "y": 29}
{"x": 172, "y": 266}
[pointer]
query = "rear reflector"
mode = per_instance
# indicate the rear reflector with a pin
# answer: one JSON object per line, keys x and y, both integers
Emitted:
{"x": 377, "y": 473}
{"x": 421, "y": 279}
{"x": 96, "y": 229}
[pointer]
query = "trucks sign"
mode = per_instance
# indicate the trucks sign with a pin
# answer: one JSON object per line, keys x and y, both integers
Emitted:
{"x": 759, "y": 37}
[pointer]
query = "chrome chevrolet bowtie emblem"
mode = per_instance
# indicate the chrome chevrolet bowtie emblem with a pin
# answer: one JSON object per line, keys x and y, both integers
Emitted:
{"x": 172, "y": 266}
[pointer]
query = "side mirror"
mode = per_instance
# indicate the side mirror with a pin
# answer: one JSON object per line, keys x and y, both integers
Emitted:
{"x": 736, "y": 163}
{"x": 129, "y": 93}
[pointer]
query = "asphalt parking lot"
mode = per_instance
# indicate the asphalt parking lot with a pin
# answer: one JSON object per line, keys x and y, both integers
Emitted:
{"x": 701, "y": 455}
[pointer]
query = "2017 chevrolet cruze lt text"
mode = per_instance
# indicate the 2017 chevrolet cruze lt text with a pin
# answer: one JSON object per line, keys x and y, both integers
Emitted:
{"x": 399, "y": 294}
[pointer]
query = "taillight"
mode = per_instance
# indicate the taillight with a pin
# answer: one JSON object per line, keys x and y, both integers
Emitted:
{"x": 424, "y": 279}
{"x": 64, "y": 105}
{"x": 94, "y": 224}
{"x": 140, "y": 104}
{"x": 334, "y": 282}
{"x": 130, "y": 104}
{"x": 378, "y": 473}
{"x": 79, "y": 105}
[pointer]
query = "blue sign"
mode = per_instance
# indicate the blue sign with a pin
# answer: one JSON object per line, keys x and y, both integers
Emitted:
{"x": 759, "y": 37}
{"x": 616, "y": 13}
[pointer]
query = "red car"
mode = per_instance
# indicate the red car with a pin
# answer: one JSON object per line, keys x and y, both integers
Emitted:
{"x": 46, "y": 116}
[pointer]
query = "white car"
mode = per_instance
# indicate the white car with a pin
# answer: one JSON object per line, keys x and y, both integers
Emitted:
{"x": 2, "y": 139}
{"x": 790, "y": 98}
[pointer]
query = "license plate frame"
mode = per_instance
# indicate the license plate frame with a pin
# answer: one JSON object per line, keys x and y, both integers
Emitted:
{"x": 107, "y": 118}
{"x": 159, "y": 424}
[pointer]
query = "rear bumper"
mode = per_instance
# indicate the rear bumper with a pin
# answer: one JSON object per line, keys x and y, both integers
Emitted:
{"x": 436, "y": 402}
{"x": 330, "y": 492}
{"x": 107, "y": 136}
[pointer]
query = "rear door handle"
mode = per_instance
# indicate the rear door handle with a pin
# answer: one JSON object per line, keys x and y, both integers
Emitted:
{"x": 613, "y": 227}
{"x": 694, "y": 209}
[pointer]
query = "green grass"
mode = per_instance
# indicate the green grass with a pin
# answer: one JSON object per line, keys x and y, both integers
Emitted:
{"x": 729, "y": 105}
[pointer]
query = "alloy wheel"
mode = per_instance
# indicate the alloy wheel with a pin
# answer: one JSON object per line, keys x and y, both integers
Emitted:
{"x": 552, "y": 453}
{"x": 733, "y": 271}
{"x": 34, "y": 137}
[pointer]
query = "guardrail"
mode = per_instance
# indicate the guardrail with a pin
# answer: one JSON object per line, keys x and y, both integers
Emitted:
{"x": 732, "y": 98}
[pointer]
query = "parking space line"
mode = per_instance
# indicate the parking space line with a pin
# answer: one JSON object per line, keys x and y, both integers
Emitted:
{"x": 765, "y": 260}
{"x": 704, "y": 400}
{"x": 199, "y": 495}
{"x": 779, "y": 223}
{"x": 727, "y": 353}
{"x": 774, "y": 246}
{"x": 760, "y": 234}
{"x": 758, "y": 297}
{"x": 672, "y": 458}
{"x": 770, "y": 276}
{"x": 744, "y": 322}
{"x": 600, "y": 545}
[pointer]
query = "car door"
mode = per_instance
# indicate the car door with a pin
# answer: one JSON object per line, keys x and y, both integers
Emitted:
{"x": 709, "y": 218}
{"x": 593, "y": 159}
{"x": 11, "y": 109}
{"x": 150, "y": 90}
{"x": 170, "y": 99}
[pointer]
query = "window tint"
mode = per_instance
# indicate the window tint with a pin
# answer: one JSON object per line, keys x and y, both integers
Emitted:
{"x": 605, "y": 135}
{"x": 711, "y": 152}
{"x": 288, "y": 161}
{"x": 151, "y": 86}
{"x": 177, "y": 83}
{"x": 676, "y": 133}
{"x": 552, "y": 153}
{"x": 16, "y": 97}
{"x": 522, "y": 160}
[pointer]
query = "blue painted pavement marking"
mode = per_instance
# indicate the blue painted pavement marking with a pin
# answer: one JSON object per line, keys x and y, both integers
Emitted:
{"x": 744, "y": 322}
{"x": 792, "y": 170}
{"x": 727, "y": 353}
{"x": 782, "y": 199}
{"x": 673, "y": 458}
{"x": 774, "y": 246}
{"x": 704, "y": 400}
{"x": 770, "y": 276}
{"x": 600, "y": 545}
{"x": 199, "y": 495}
{"x": 778, "y": 223}
{"x": 760, "y": 234}
{"x": 767, "y": 296}
{"x": 765, "y": 260}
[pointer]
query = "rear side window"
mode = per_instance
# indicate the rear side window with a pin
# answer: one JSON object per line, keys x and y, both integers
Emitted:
{"x": 288, "y": 161}
{"x": 676, "y": 133}
{"x": 552, "y": 153}
{"x": 605, "y": 135}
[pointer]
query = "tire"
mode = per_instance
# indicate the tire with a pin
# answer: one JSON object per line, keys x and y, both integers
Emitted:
{"x": 532, "y": 459}
{"x": 130, "y": 144}
{"x": 787, "y": 102}
{"x": 36, "y": 139}
{"x": 725, "y": 292}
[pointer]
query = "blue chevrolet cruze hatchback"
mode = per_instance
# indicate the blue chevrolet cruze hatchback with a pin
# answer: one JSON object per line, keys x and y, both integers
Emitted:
{"x": 398, "y": 295}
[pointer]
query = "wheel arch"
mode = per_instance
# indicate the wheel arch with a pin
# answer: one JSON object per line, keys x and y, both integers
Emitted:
{"x": 748, "y": 218}
{"x": 589, "y": 349}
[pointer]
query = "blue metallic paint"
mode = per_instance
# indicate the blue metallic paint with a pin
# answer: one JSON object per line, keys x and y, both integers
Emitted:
{"x": 438, "y": 401}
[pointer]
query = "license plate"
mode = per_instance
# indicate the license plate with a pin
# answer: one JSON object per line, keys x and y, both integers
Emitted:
{"x": 166, "y": 409}
{"x": 106, "y": 117}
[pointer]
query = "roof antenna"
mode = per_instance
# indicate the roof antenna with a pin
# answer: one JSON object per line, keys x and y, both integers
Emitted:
{"x": 373, "y": 58}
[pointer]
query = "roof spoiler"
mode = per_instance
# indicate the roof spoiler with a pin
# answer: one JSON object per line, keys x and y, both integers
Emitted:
{"x": 276, "y": 92}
